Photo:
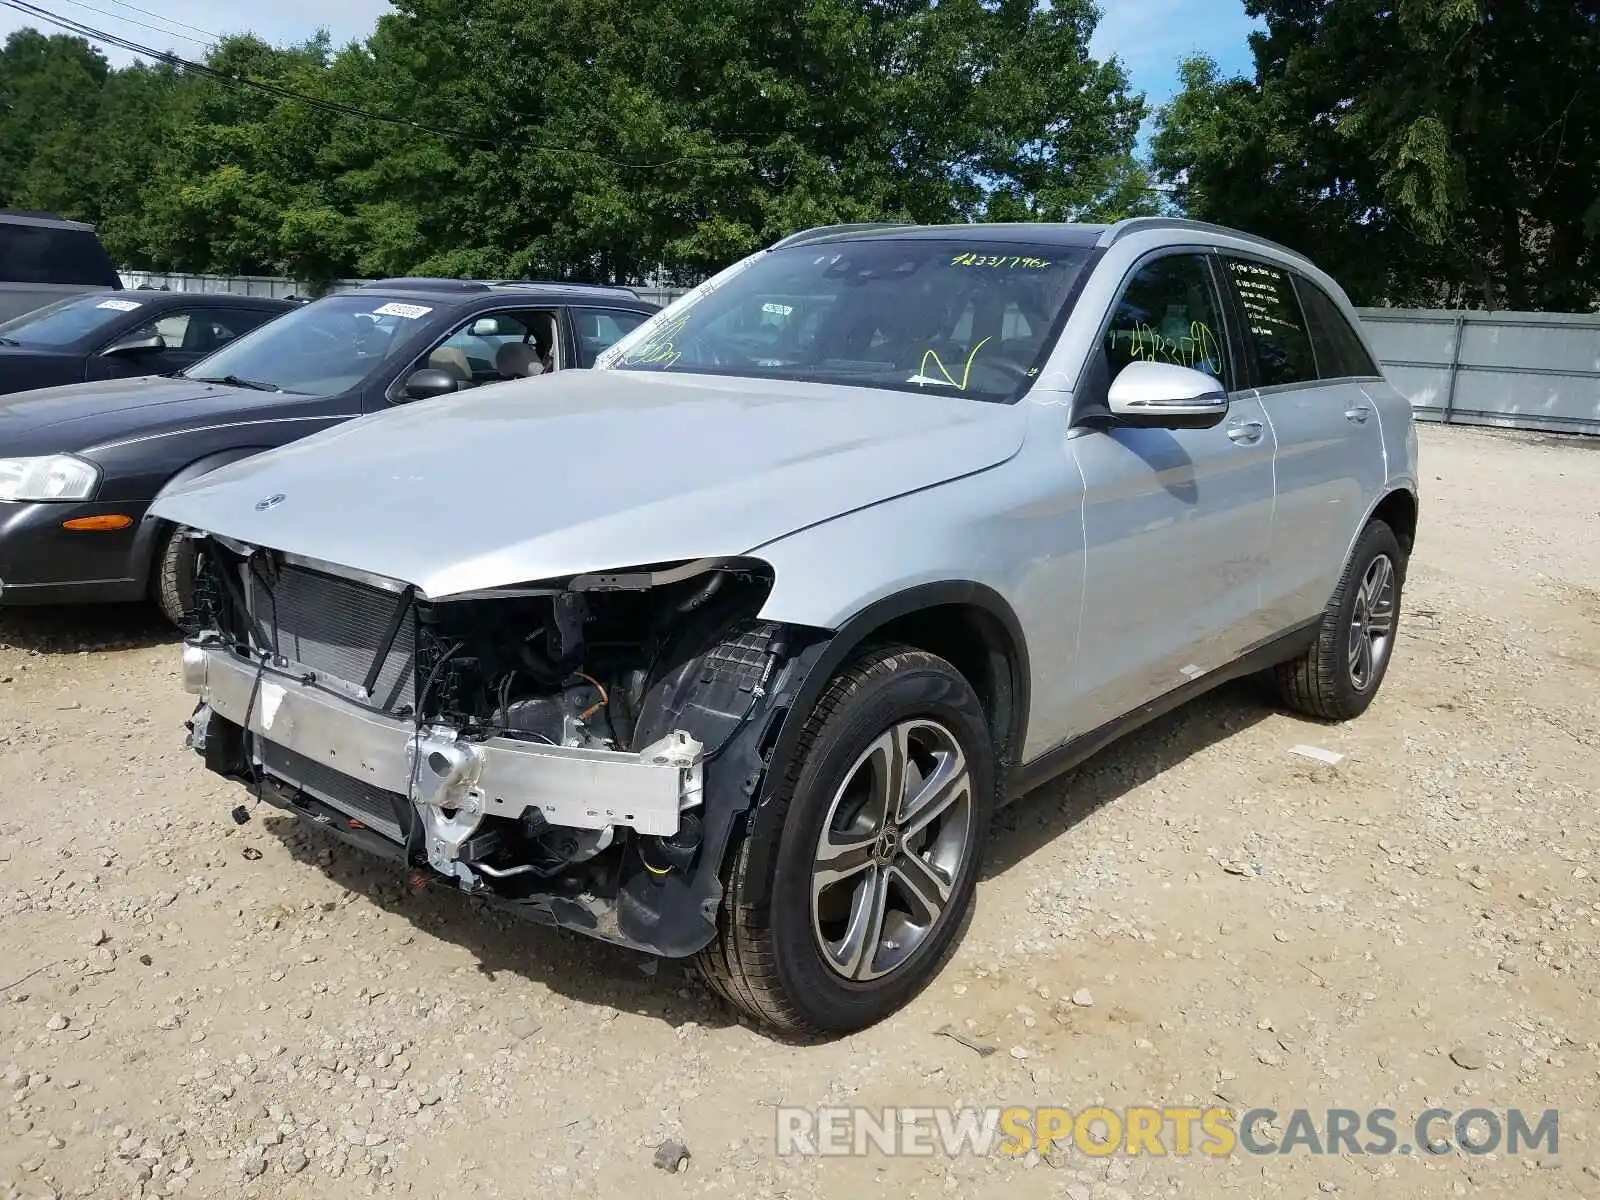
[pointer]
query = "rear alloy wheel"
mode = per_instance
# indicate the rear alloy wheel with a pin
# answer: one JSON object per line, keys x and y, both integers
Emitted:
{"x": 1339, "y": 676}
{"x": 845, "y": 895}
{"x": 1372, "y": 624}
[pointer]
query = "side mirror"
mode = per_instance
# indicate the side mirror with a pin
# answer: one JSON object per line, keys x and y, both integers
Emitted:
{"x": 134, "y": 345}
{"x": 485, "y": 327}
{"x": 1154, "y": 395}
{"x": 430, "y": 382}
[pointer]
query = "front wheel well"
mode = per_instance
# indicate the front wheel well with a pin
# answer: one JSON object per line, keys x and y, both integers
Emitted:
{"x": 976, "y": 643}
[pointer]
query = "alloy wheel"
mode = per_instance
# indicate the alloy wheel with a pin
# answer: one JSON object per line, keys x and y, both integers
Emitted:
{"x": 895, "y": 837}
{"x": 1372, "y": 623}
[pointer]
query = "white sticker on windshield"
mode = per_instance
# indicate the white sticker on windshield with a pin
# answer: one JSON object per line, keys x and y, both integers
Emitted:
{"x": 119, "y": 305}
{"x": 409, "y": 311}
{"x": 782, "y": 310}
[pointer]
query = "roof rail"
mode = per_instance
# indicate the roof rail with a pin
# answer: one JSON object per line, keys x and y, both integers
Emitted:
{"x": 603, "y": 288}
{"x": 1132, "y": 225}
{"x": 424, "y": 283}
{"x": 825, "y": 231}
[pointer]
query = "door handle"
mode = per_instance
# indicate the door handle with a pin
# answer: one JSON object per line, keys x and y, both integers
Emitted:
{"x": 1358, "y": 414}
{"x": 1246, "y": 433}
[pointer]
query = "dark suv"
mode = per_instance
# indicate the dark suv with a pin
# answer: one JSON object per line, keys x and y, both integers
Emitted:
{"x": 44, "y": 258}
{"x": 82, "y": 464}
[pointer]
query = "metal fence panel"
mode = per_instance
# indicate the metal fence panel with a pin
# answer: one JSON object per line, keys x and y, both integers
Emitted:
{"x": 1519, "y": 370}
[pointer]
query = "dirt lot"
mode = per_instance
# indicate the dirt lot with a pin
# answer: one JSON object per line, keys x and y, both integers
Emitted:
{"x": 191, "y": 1007}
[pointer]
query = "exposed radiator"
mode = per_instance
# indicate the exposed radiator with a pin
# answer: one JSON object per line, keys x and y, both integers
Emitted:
{"x": 335, "y": 627}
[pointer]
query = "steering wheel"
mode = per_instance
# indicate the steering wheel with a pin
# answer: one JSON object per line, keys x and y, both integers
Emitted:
{"x": 697, "y": 351}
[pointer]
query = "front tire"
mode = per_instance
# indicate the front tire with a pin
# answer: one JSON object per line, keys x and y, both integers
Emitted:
{"x": 1339, "y": 676}
{"x": 879, "y": 825}
{"x": 172, "y": 581}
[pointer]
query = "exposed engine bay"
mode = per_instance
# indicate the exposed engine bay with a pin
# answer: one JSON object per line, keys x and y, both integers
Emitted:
{"x": 548, "y": 745}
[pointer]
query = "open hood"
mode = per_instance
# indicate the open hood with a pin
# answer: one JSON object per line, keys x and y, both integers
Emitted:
{"x": 590, "y": 471}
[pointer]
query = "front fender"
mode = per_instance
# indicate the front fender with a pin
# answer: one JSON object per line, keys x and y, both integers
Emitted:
{"x": 148, "y": 538}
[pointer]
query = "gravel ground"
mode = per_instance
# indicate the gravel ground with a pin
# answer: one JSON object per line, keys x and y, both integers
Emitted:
{"x": 190, "y": 1007}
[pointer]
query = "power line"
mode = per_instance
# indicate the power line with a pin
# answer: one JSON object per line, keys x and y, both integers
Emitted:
{"x": 215, "y": 37}
{"x": 347, "y": 110}
{"x": 172, "y": 33}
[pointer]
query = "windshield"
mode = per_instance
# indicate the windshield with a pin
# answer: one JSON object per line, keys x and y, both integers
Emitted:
{"x": 946, "y": 316}
{"x": 66, "y": 322}
{"x": 325, "y": 348}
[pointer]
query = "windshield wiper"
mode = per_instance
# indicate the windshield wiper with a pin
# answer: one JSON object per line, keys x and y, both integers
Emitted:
{"x": 5, "y": 341}
{"x": 254, "y": 385}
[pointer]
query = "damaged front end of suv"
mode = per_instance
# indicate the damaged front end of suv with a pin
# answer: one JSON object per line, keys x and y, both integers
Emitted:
{"x": 580, "y": 749}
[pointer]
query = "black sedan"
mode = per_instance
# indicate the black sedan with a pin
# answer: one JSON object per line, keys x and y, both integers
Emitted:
{"x": 113, "y": 335}
{"x": 81, "y": 465}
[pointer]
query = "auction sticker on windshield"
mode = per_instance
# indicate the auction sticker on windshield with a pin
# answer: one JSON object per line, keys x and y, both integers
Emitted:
{"x": 119, "y": 305}
{"x": 410, "y": 311}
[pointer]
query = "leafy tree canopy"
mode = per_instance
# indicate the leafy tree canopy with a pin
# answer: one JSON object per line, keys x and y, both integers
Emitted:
{"x": 1428, "y": 152}
{"x": 589, "y": 139}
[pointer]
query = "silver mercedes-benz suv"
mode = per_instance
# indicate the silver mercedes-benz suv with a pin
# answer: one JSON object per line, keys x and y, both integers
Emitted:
{"x": 730, "y": 647}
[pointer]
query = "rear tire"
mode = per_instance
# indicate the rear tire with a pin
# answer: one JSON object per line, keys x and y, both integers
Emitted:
{"x": 845, "y": 897}
{"x": 172, "y": 584}
{"x": 1339, "y": 676}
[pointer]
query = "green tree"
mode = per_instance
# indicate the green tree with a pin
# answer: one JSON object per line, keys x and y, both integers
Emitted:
{"x": 1426, "y": 151}
{"x": 585, "y": 139}
{"x": 49, "y": 88}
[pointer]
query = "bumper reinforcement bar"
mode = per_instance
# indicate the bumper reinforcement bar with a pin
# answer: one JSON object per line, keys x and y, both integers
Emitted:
{"x": 453, "y": 782}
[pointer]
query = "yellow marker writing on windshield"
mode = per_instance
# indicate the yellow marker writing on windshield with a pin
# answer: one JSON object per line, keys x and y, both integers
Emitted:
{"x": 922, "y": 371}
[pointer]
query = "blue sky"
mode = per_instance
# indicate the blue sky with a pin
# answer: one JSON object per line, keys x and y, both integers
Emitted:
{"x": 1148, "y": 35}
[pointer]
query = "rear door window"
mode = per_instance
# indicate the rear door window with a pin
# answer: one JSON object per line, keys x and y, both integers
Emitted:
{"x": 1274, "y": 325}
{"x": 1339, "y": 349}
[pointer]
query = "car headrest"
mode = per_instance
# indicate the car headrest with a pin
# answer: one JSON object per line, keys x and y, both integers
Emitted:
{"x": 453, "y": 360}
{"x": 517, "y": 360}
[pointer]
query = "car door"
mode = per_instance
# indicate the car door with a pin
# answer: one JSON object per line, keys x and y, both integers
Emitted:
{"x": 1330, "y": 463}
{"x": 1176, "y": 522}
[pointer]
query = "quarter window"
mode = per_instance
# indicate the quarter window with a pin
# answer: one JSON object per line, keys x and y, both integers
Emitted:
{"x": 1171, "y": 312}
{"x": 1340, "y": 352}
{"x": 1274, "y": 323}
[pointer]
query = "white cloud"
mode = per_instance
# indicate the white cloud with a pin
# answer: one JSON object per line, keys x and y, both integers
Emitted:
{"x": 186, "y": 27}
